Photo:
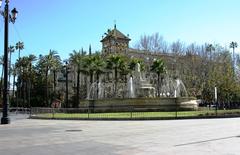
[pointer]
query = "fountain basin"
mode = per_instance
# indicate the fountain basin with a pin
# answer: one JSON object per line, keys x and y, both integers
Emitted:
{"x": 140, "y": 104}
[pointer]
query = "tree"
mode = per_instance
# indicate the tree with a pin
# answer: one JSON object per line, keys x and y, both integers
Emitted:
{"x": 19, "y": 47}
{"x": 98, "y": 67}
{"x": 1, "y": 84}
{"x": 152, "y": 43}
{"x": 159, "y": 68}
{"x": 56, "y": 66}
{"x": 10, "y": 51}
{"x": 124, "y": 71}
{"x": 225, "y": 83}
{"x": 133, "y": 63}
{"x": 114, "y": 62}
{"x": 177, "y": 47}
{"x": 209, "y": 66}
{"x": 47, "y": 64}
{"x": 233, "y": 45}
{"x": 24, "y": 66}
{"x": 210, "y": 48}
{"x": 76, "y": 58}
{"x": 14, "y": 73}
{"x": 31, "y": 59}
{"x": 88, "y": 67}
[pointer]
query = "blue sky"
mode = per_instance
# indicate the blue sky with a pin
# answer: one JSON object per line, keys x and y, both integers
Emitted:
{"x": 67, "y": 25}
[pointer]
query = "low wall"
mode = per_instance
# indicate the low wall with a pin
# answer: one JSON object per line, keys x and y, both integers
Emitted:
{"x": 140, "y": 104}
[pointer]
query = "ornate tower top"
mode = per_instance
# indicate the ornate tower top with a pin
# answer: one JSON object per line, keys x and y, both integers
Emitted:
{"x": 115, "y": 42}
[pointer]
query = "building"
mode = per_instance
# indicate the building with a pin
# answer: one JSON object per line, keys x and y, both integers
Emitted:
{"x": 114, "y": 42}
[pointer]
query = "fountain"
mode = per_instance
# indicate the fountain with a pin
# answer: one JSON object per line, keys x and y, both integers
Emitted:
{"x": 137, "y": 86}
{"x": 139, "y": 91}
{"x": 172, "y": 88}
{"x": 131, "y": 91}
{"x": 143, "y": 86}
{"x": 96, "y": 91}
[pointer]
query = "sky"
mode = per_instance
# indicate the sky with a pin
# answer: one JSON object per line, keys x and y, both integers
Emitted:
{"x": 70, "y": 25}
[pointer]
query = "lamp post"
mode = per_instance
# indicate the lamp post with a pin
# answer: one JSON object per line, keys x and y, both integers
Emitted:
{"x": 216, "y": 99}
{"x": 7, "y": 18}
{"x": 66, "y": 74}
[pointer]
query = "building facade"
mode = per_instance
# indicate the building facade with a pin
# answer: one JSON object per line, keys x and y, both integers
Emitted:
{"x": 114, "y": 42}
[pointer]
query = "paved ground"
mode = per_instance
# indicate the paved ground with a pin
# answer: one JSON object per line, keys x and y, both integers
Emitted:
{"x": 181, "y": 137}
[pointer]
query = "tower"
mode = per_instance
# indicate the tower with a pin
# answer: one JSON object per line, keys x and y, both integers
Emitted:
{"x": 114, "y": 42}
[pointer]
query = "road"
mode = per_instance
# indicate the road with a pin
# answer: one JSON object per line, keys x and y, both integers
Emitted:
{"x": 166, "y": 137}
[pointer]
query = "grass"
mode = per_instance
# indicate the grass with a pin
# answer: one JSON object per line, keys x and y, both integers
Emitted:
{"x": 137, "y": 115}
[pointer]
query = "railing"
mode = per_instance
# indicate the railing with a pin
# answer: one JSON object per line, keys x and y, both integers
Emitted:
{"x": 21, "y": 110}
{"x": 129, "y": 112}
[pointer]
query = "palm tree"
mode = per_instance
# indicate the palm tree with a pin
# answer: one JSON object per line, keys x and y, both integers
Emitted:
{"x": 14, "y": 73}
{"x": 158, "y": 67}
{"x": 88, "y": 66}
{"x": 114, "y": 62}
{"x": 51, "y": 61}
{"x": 10, "y": 50}
{"x": 2, "y": 64}
{"x": 56, "y": 66}
{"x": 24, "y": 66}
{"x": 19, "y": 47}
{"x": 76, "y": 59}
{"x": 31, "y": 59}
{"x": 210, "y": 48}
{"x": 133, "y": 63}
{"x": 19, "y": 84}
{"x": 98, "y": 66}
{"x": 46, "y": 64}
{"x": 124, "y": 71}
{"x": 92, "y": 65}
{"x": 233, "y": 45}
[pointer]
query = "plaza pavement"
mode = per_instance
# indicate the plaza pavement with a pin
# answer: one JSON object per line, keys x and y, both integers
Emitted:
{"x": 172, "y": 137}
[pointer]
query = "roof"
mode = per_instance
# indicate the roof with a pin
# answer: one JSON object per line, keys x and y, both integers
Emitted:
{"x": 115, "y": 33}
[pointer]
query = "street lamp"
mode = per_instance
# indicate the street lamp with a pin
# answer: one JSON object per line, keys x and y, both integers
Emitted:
{"x": 7, "y": 18}
{"x": 14, "y": 15}
{"x": 66, "y": 66}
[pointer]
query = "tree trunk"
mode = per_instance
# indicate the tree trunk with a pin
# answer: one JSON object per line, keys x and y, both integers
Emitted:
{"x": 46, "y": 75}
{"x": 17, "y": 98}
{"x": 67, "y": 89}
{"x": 91, "y": 78}
{"x": 19, "y": 54}
{"x": 29, "y": 85}
{"x": 116, "y": 82}
{"x": 9, "y": 71}
{"x": 29, "y": 93}
{"x": 1, "y": 82}
{"x": 24, "y": 94}
{"x": 158, "y": 85}
{"x": 97, "y": 85}
{"x": 233, "y": 61}
{"x": 78, "y": 89}
{"x": 54, "y": 81}
{"x": 14, "y": 86}
{"x": 126, "y": 85}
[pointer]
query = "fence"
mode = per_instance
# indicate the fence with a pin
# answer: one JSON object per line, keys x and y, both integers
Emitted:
{"x": 129, "y": 112}
{"x": 21, "y": 110}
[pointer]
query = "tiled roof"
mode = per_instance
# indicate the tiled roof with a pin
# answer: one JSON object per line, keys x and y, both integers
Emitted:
{"x": 115, "y": 33}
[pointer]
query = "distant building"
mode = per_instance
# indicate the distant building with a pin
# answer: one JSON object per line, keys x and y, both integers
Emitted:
{"x": 114, "y": 42}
